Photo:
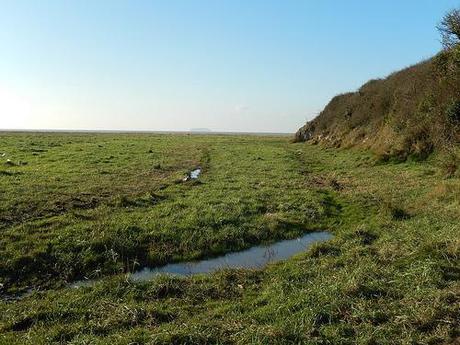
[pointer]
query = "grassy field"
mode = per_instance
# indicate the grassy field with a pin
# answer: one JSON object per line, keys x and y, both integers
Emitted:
{"x": 102, "y": 205}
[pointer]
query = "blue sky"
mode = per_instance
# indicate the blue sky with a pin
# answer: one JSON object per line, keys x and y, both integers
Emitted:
{"x": 178, "y": 64}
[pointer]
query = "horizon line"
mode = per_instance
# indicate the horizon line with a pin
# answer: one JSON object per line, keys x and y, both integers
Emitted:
{"x": 121, "y": 131}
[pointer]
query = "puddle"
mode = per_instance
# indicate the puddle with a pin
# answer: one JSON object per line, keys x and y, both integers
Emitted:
{"x": 255, "y": 258}
{"x": 193, "y": 175}
{"x": 16, "y": 297}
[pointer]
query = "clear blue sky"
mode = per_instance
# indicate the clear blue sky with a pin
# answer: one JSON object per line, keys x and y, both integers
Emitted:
{"x": 236, "y": 65}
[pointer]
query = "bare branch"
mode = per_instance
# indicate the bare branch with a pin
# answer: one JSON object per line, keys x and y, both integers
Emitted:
{"x": 449, "y": 28}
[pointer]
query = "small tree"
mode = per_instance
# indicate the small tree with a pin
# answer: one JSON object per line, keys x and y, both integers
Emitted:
{"x": 450, "y": 29}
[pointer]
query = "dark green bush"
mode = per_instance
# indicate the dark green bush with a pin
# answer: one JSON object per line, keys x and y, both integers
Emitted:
{"x": 453, "y": 113}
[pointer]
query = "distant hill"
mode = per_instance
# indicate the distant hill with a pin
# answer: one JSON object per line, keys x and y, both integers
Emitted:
{"x": 409, "y": 113}
{"x": 200, "y": 130}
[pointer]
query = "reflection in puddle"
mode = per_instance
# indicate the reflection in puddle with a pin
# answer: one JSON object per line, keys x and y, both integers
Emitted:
{"x": 193, "y": 175}
{"x": 252, "y": 258}
{"x": 255, "y": 257}
{"x": 17, "y": 297}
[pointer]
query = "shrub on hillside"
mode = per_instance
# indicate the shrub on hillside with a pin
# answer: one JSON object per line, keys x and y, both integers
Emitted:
{"x": 450, "y": 29}
{"x": 453, "y": 113}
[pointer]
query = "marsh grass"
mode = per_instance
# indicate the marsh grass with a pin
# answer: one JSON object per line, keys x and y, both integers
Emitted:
{"x": 385, "y": 278}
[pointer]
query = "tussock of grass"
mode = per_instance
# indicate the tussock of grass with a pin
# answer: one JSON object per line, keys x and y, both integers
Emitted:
{"x": 450, "y": 163}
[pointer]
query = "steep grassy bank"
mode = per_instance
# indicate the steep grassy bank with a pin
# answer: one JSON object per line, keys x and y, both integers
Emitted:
{"x": 390, "y": 275}
{"x": 410, "y": 113}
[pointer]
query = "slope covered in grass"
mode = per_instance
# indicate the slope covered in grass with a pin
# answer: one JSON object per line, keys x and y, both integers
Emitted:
{"x": 410, "y": 113}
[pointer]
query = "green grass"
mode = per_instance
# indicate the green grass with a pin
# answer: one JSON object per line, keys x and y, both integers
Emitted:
{"x": 99, "y": 205}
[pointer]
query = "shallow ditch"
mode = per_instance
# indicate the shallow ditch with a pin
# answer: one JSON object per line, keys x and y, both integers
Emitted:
{"x": 256, "y": 257}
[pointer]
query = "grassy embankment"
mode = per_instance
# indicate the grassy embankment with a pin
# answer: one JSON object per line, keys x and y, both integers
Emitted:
{"x": 409, "y": 114}
{"x": 95, "y": 205}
